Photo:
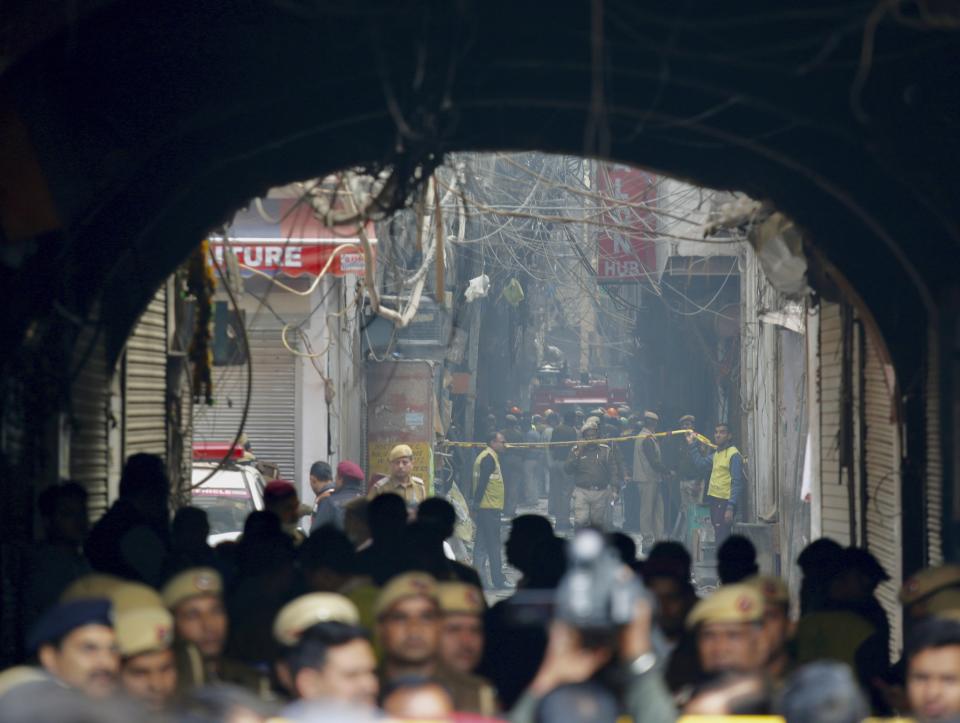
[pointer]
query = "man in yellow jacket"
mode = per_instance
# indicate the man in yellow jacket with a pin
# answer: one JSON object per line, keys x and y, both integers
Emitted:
{"x": 726, "y": 479}
{"x": 487, "y": 499}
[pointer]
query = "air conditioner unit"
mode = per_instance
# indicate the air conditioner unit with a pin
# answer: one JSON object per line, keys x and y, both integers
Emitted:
{"x": 428, "y": 331}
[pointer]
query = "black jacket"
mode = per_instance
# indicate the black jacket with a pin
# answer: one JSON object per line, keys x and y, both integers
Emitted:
{"x": 331, "y": 510}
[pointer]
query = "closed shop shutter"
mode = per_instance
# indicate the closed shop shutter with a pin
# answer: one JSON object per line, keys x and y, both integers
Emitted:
{"x": 933, "y": 500}
{"x": 834, "y": 494}
{"x": 882, "y": 463}
{"x": 89, "y": 409}
{"x": 271, "y": 425}
{"x": 145, "y": 382}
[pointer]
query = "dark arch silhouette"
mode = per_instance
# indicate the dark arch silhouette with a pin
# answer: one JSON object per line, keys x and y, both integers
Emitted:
{"x": 147, "y": 124}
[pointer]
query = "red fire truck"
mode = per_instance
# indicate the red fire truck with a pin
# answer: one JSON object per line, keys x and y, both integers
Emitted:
{"x": 553, "y": 389}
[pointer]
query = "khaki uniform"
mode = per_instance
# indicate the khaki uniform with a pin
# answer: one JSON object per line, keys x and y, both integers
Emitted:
{"x": 596, "y": 471}
{"x": 413, "y": 493}
{"x": 192, "y": 673}
{"x": 471, "y": 693}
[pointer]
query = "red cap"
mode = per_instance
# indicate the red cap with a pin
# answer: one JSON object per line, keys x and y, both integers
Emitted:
{"x": 279, "y": 489}
{"x": 349, "y": 469}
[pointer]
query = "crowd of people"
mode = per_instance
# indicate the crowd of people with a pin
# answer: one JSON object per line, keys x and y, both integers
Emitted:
{"x": 371, "y": 616}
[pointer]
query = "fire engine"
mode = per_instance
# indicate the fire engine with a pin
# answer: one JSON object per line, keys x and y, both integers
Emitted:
{"x": 554, "y": 389}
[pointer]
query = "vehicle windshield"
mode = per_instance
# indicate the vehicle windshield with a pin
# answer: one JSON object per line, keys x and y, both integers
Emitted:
{"x": 225, "y": 513}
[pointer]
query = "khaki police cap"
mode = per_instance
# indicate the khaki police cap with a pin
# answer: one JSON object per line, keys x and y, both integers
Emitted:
{"x": 461, "y": 597}
{"x": 739, "y": 603}
{"x": 308, "y": 610}
{"x": 143, "y": 630}
{"x": 191, "y": 583}
{"x": 123, "y": 594}
{"x": 773, "y": 589}
{"x": 928, "y": 581}
{"x": 411, "y": 584}
{"x": 944, "y": 601}
{"x": 401, "y": 450}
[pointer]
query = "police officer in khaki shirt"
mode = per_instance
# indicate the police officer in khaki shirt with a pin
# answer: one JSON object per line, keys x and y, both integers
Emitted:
{"x": 409, "y": 621}
{"x": 401, "y": 480}
{"x": 148, "y": 669}
{"x": 195, "y": 598}
{"x": 728, "y": 627}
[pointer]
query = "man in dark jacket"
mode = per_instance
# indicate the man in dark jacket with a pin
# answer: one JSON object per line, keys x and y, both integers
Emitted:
{"x": 131, "y": 540}
{"x": 559, "y": 503}
{"x": 349, "y": 487}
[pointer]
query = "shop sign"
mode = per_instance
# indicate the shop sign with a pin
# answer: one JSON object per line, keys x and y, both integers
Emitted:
{"x": 626, "y": 250}
{"x": 283, "y": 237}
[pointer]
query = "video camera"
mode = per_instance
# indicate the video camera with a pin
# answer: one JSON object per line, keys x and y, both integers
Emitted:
{"x": 598, "y": 592}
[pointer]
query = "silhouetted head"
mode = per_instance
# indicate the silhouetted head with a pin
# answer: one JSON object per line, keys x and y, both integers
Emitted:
{"x": 264, "y": 548}
{"x": 625, "y": 546}
{"x": 820, "y": 558}
{"x": 587, "y": 702}
{"x": 549, "y": 556}
{"x": 386, "y": 516}
{"x": 824, "y": 692}
{"x": 63, "y": 510}
{"x": 145, "y": 485}
{"x": 439, "y": 514}
{"x": 525, "y": 532}
{"x": 190, "y": 528}
{"x": 736, "y": 560}
{"x": 327, "y": 559}
{"x": 668, "y": 558}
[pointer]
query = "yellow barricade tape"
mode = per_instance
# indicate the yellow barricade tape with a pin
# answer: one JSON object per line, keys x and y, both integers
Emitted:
{"x": 605, "y": 440}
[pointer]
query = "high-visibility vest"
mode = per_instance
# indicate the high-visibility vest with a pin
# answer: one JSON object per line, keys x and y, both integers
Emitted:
{"x": 720, "y": 478}
{"x": 493, "y": 495}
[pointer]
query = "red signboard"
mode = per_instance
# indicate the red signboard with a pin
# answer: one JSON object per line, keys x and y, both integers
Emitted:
{"x": 625, "y": 242}
{"x": 283, "y": 236}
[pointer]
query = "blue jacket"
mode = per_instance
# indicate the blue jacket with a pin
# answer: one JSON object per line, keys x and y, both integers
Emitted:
{"x": 704, "y": 463}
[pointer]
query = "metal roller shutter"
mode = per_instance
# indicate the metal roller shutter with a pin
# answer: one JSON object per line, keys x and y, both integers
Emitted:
{"x": 272, "y": 421}
{"x": 89, "y": 402}
{"x": 834, "y": 495}
{"x": 145, "y": 388}
{"x": 883, "y": 509}
{"x": 933, "y": 500}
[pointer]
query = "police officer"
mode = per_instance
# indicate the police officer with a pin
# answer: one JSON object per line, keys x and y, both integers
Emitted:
{"x": 401, "y": 481}
{"x": 728, "y": 627}
{"x": 597, "y": 474}
{"x": 325, "y": 654}
{"x": 195, "y": 598}
{"x": 408, "y": 628}
{"x": 488, "y": 500}
{"x": 461, "y": 633}
{"x": 349, "y": 486}
{"x": 777, "y": 626}
{"x": 148, "y": 670}
{"x": 649, "y": 472}
{"x": 76, "y": 645}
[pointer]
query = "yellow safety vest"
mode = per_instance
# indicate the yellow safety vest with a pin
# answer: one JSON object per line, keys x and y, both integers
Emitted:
{"x": 720, "y": 477}
{"x": 493, "y": 495}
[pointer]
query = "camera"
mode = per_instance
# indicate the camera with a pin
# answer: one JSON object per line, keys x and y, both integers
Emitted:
{"x": 598, "y": 591}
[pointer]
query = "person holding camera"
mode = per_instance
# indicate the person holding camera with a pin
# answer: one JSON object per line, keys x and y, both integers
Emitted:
{"x": 597, "y": 473}
{"x": 600, "y": 644}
